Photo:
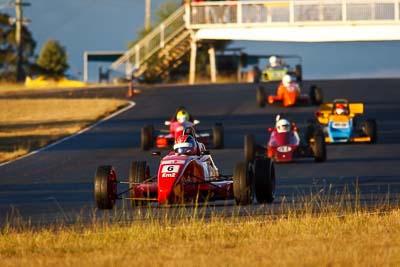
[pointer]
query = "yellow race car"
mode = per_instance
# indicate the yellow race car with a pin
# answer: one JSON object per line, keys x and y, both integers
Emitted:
{"x": 342, "y": 123}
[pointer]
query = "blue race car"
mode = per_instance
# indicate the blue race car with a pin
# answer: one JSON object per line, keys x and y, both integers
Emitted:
{"x": 342, "y": 123}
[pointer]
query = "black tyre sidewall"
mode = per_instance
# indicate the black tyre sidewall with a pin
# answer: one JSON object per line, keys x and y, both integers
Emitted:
{"x": 316, "y": 95}
{"x": 249, "y": 148}
{"x": 299, "y": 73}
{"x": 147, "y": 137}
{"x": 319, "y": 147}
{"x": 260, "y": 96}
{"x": 218, "y": 136}
{"x": 264, "y": 180}
{"x": 137, "y": 174}
{"x": 371, "y": 130}
{"x": 242, "y": 187}
{"x": 102, "y": 187}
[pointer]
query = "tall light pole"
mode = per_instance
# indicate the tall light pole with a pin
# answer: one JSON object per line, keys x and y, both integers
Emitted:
{"x": 147, "y": 19}
{"x": 18, "y": 37}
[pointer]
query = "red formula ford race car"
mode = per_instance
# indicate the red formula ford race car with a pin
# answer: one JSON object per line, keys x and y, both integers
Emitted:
{"x": 289, "y": 93}
{"x": 165, "y": 138}
{"x": 186, "y": 175}
{"x": 286, "y": 145}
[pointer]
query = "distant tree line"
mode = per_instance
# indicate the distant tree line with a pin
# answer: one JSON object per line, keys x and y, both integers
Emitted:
{"x": 51, "y": 62}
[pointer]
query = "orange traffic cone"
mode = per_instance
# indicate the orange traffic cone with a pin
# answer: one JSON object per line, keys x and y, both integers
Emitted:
{"x": 130, "y": 90}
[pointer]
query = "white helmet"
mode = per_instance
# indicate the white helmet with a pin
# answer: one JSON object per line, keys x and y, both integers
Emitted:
{"x": 273, "y": 61}
{"x": 283, "y": 126}
{"x": 286, "y": 80}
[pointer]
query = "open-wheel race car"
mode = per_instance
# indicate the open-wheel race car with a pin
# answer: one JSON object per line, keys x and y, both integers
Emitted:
{"x": 342, "y": 123}
{"x": 186, "y": 175}
{"x": 278, "y": 67}
{"x": 286, "y": 145}
{"x": 165, "y": 138}
{"x": 289, "y": 94}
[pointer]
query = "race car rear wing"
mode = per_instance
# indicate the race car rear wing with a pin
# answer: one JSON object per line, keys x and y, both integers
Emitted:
{"x": 325, "y": 110}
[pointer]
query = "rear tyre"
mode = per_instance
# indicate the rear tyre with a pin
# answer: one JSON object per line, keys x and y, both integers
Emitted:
{"x": 310, "y": 129}
{"x": 242, "y": 183}
{"x": 218, "y": 136}
{"x": 137, "y": 174}
{"x": 264, "y": 180}
{"x": 105, "y": 187}
{"x": 147, "y": 136}
{"x": 260, "y": 96}
{"x": 319, "y": 147}
{"x": 249, "y": 148}
{"x": 298, "y": 71}
{"x": 371, "y": 130}
{"x": 316, "y": 95}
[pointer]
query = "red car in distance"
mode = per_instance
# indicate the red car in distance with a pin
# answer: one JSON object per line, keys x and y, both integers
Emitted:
{"x": 165, "y": 138}
{"x": 286, "y": 145}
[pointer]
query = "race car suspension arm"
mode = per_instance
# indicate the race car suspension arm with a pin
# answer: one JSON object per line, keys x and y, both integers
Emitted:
{"x": 227, "y": 178}
{"x": 148, "y": 180}
{"x": 119, "y": 195}
{"x": 131, "y": 187}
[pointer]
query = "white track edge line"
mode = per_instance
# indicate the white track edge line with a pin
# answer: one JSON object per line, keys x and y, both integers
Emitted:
{"x": 131, "y": 104}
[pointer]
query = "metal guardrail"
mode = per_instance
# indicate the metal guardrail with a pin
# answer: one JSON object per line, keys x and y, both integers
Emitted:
{"x": 292, "y": 12}
{"x": 153, "y": 41}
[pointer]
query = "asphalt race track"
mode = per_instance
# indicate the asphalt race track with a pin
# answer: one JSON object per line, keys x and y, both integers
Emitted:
{"x": 58, "y": 182}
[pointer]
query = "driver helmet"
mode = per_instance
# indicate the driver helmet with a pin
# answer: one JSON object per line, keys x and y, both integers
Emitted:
{"x": 286, "y": 80}
{"x": 182, "y": 116}
{"x": 340, "y": 109}
{"x": 283, "y": 126}
{"x": 273, "y": 61}
{"x": 185, "y": 144}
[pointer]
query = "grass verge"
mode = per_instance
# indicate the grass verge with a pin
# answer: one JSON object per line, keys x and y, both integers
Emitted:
{"x": 28, "y": 124}
{"x": 12, "y": 88}
{"x": 352, "y": 239}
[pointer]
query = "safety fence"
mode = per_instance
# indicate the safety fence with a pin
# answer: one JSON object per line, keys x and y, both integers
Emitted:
{"x": 257, "y": 14}
{"x": 203, "y": 14}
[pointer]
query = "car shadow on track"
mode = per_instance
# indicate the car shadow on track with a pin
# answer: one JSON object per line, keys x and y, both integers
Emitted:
{"x": 365, "y": 160}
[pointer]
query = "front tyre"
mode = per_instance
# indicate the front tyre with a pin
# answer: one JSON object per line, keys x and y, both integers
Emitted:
{"x": 249, "y": 148}
{"x": 260, "y": 96}
{"x": 105, "y": 187}
{"x": 310, "y": 130}
{"x": 298, "y": 73}
{"x": 316, "y": 95}
{"x": 147, "y": 136}
{"x": 218, "y": 136}
{"x": 264, "y": 180}
{"x": 371, "y": 130}
{"x": 242, "y": 183}
{"x": 319, "y": 147}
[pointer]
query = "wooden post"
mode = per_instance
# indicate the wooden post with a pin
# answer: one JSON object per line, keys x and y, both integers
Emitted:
{"x": 18, "y": 38}
{"x": 147, "y": 20}
{"x": 193, "y": 54}
{"x": 213, "y": 66}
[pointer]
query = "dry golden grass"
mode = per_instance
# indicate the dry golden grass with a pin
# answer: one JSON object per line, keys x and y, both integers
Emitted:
{"x": 355, "y": 239}
{"x": 20, "y": 87}
{"x": 27, "y": 124}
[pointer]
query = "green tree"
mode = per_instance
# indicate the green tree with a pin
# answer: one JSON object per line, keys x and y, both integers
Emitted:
{"x": 8, "y": 49}
{"x": 163, "y": 12}
{"x": 53, "y": 60}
